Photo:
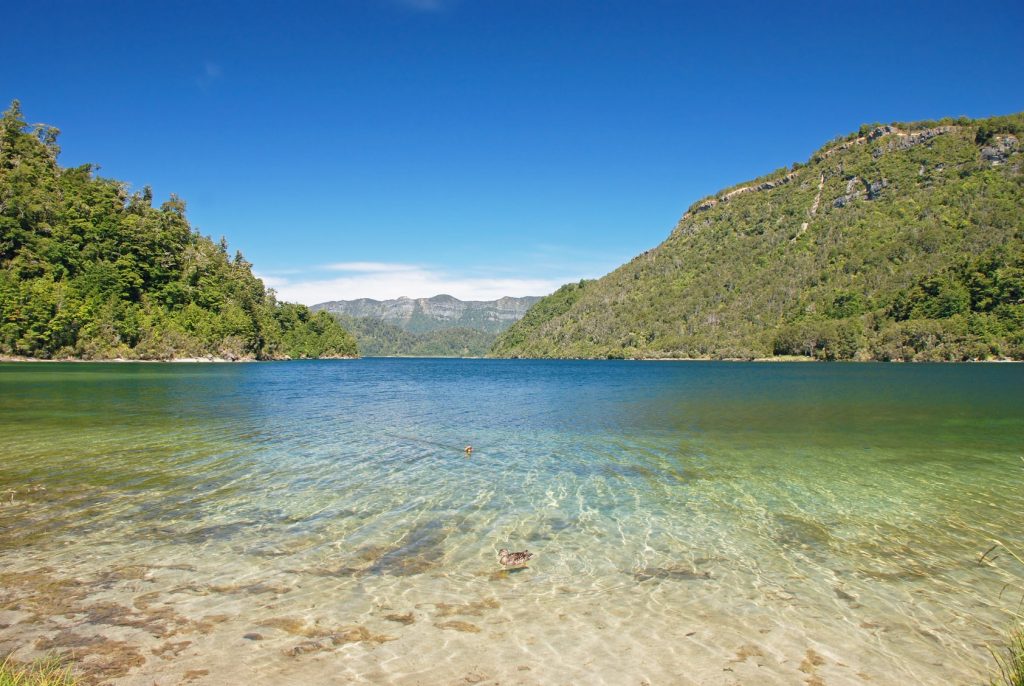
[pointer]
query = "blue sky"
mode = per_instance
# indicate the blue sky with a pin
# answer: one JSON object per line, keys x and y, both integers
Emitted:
{"x": 377, "y": 148}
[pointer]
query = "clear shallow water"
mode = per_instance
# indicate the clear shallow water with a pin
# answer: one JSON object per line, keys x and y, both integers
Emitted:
{"x": 693, "y": 522}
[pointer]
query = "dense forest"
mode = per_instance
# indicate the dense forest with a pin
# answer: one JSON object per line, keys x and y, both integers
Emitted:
{"x": 377, "y": 338}
{"x": 898, "y": 242}
{"x": 90, "y": 270}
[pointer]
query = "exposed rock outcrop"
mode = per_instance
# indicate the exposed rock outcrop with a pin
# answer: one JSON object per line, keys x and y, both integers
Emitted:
{"x": 852, "y": 193}
{"x": 900, "y": 140}
{"x": 857, "y": 188}
{"x": 999, "y": 149}
{"x": 875, "y": 188}
{"x": 753, "y": 188}
{"x": 905, "y": 141}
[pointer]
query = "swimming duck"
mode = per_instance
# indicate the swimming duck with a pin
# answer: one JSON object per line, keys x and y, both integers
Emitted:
{"x": 513, "y": 559}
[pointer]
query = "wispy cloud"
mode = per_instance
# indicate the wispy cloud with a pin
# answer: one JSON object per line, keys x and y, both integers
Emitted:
{"x": 211, "y": 72}
{"x": 425, "y": 5}
{"x": 383, "y": 280}
{"x": 371, "y": 267}
{"x": 272, "y": 281}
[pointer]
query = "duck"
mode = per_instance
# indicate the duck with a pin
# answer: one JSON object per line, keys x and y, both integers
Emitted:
{"x": 513, "y": 559}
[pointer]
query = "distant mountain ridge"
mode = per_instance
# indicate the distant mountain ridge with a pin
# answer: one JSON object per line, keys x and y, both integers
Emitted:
{"x": 441, "y": 312}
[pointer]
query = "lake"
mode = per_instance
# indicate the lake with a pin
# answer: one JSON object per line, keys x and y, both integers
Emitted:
{"x": 692, "y": 522}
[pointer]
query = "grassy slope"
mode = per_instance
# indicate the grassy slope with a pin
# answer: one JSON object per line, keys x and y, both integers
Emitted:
{"x": 927, "y": 265}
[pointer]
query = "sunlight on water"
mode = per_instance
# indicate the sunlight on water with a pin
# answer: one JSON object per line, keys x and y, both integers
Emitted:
{"x": 692, "y": 522}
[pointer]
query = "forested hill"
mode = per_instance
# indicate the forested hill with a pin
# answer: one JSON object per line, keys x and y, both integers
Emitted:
{"x": 89, "y": 270}
{"x": 899, "y": 242}
{"x": 378, "y": 338}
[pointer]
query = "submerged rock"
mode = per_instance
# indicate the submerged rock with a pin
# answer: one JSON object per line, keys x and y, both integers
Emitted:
{"x": 671, "y": 573}
{"x": 792, "y": 531}
{"x": 473, "y": 609}
{"x": 458, "y": 625}
{"x": 406, "y": 619}
{"x": 306, "y": 647}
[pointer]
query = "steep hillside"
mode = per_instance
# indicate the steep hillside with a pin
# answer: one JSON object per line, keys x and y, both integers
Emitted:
{"x": 421, "y": 315}
{"x": 88, "y": 270}
{"x": 900, "y": 242}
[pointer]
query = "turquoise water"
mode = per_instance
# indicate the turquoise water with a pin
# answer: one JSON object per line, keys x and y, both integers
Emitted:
{"x": 692, "y": 522}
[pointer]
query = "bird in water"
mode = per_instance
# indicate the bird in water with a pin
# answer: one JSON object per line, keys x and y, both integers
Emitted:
{"x": 513, "y": 559}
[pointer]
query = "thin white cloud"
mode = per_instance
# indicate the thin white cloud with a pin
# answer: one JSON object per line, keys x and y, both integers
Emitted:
{"x": 384, "y": 281}
{"x": 369, "y": 267}
{"x": 424, "y": 5}
{"x": 211, "y": 72}
{"x": 271, "y": 281}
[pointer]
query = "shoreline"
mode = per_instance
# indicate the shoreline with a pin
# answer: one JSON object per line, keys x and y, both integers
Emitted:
{"x": 172, "y": 360}
{"x": 775, "y": 359}
{"x": 224, "y": 360}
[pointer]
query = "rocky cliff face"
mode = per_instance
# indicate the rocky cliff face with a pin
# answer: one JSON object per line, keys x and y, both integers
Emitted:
{"x": 421, "y": 315}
